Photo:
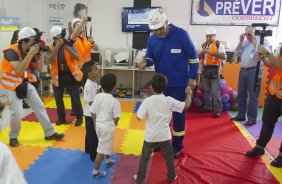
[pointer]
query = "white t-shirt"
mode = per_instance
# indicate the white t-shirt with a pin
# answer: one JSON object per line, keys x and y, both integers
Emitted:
{"x": 106, "y": 108}
{"x": 9, "y": 169}
{"x": 90, "y": 91}
{"x": 158, "y": 111}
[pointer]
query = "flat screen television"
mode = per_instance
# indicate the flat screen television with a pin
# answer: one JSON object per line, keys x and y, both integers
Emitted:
{"x": 135, "y": 19}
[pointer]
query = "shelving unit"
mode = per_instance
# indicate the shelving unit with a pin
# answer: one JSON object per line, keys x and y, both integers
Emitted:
{"x": 128, "y": 76}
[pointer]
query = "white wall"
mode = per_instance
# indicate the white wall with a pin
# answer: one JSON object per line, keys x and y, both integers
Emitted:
{"x": 106, "y": 16}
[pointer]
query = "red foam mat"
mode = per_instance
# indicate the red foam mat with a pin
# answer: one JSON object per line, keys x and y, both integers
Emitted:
{"x": 214, "y": 153}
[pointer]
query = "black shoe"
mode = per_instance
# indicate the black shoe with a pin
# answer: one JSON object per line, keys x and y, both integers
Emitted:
{"x": 55, "y": 136}
{"x": 14, "y": 142}
{"x": 237, "y": 119}
{"x": 255, "y": 152}
{"x": 25, "y": 105}
{"x": 78, "y": 121}
{"x": 277, "y": 162}
{"x": 250, "y": 123}
{"x": 217, "y": 115}
{"x": 203, "y": 110}
{"x": 60, "y": 121}
{"x": 177, "y": 154}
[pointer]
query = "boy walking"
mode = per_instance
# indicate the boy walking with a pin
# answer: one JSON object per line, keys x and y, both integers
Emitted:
{"x": 105, "y": 112}
{"x": 158, "y": 111}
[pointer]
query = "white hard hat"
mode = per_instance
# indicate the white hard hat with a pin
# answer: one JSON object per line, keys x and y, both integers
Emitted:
{"x": 26, "y": 32}
{"x": 55, "y": 31}
{"x": 157, "y": 18}
{"x": 211, "y": 31}
{"x": 77, "y": 20}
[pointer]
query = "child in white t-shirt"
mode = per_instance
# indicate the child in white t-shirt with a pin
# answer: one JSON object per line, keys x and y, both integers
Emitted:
{"x": 105, "y": 112}
{"x": 91, "y": 89}
{"x": 157, "y": 109}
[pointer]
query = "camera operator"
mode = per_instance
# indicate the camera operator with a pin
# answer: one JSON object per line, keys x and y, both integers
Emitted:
{"x": 273, "y": 104}
{"x": 83, "y": 44}
{"x": 247, "y": 48}
{"x": 16, "y": 80}
{"x": 65, "y": 74}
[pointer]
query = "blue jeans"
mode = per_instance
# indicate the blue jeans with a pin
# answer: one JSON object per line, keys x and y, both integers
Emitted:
{"x": 179, "y": 94}
{"x": 246, "y": 90}
{"x": 212, "y": 96}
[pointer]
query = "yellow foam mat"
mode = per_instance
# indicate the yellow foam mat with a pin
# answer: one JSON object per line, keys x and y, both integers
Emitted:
{"x": 124, "y": 120}
{"x": 67, "y": 102}
{"x": 31, "y": 134}
{"x": 133, "y": 142}
{"x": 266, "y": 158}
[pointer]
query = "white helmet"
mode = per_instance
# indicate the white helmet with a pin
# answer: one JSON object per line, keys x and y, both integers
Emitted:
{"x": 55, "y": 31}
{"x": 26, "y": 32}
{"x": 211, "y": 31}
{"x": 75, "y": 21}
{"x": 157, "y": 18}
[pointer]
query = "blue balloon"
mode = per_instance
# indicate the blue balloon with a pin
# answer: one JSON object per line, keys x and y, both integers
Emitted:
{"x": 226, "y": 106}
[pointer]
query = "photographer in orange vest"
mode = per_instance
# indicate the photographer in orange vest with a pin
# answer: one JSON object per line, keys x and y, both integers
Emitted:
{"x": 16, "y": 80}
{"x": 273, "y": 104}
{"x": 211, "y": 56}
{"x": 83, "y": 44}
{"x": 65, "y": 73}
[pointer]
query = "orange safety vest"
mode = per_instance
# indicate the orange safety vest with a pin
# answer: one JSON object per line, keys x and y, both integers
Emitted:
{"x": 275, "y": 86}
{"x": 84, "y": 50}
{"x": 10, "y": 79}
{"x": 72, "y": 64}
{"x": 211, "y": 59}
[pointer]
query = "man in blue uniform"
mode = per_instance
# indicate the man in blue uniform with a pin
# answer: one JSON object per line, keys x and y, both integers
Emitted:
{"x": 173, "y": 53}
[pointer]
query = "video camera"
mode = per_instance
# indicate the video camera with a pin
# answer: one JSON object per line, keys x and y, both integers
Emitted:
{"x": 66, "y": 41}
{"x": 263, "y": 32}
{"x": 36, "y": 41}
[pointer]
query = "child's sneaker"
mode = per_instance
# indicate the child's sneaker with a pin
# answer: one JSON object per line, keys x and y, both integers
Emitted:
{"x": 110, "y": 164}
{"x": 172, "y": 180}
{"x": 135, "y": 177}
{"x": 100, "y": 174}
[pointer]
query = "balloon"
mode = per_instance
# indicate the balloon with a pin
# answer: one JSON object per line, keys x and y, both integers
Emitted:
{"x": 222, "y": 83}
{"x": 227, "y": 90}
{"x": 226, "y": 106}
{"x": 233, "y": 97}
{"x": 199, "y": 94}
{"x": 234, "y": 107}
{"x": 225, "y": 98}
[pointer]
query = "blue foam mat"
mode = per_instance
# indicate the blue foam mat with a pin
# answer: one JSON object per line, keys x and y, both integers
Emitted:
{"x": 137, "y": 106}
{"x": 59, "y": 166}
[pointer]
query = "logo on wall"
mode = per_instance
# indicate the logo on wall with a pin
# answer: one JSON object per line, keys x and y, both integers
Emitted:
{"x": 57, "y": 6}
{"x": 236, "y": 7}
{"x": 203, "y": 8}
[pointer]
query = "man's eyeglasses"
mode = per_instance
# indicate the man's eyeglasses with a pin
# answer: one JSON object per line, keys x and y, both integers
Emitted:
{"x": 56, "y": 38}
{"x": 249, "y": 34}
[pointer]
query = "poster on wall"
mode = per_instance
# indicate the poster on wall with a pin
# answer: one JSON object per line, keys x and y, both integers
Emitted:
{"x": 59, "y": 13}
{"x": 235, "y": 12}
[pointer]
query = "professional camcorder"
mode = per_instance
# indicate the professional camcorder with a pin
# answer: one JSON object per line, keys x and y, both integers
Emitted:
{"x": 263, "y": 32}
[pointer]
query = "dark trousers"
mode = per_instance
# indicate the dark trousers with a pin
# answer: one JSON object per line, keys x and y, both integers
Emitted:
{"x": 147, "y": 150}
{"x": 73, "y": 90}
{"x": 91, "y": 140}
{"x": 272, "y": 111}
{"x": 177, "y": 93}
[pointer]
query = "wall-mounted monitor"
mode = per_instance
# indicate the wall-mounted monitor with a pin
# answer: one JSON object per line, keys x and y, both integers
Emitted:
{"x": 135, "y": 19}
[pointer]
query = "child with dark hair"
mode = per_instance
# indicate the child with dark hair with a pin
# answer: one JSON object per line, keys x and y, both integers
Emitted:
{"x": 91, "y": 89}
{"x": 105, "y": 112}
{"x": 157, "y": 109}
